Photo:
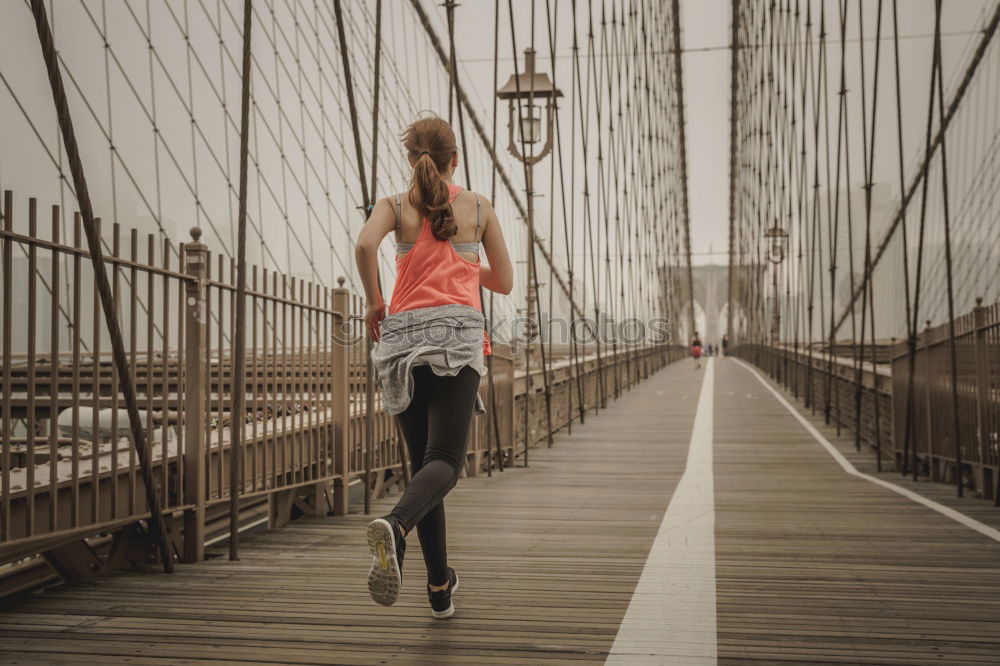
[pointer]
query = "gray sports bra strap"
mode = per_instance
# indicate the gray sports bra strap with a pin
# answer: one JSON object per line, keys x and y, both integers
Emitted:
{"x": 399, "y": 212}
{"x": 478, "y": 209}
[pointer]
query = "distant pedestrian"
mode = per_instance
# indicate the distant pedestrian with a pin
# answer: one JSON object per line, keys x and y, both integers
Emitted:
{"x": 725, "y": 345}
{"x": 696, "y": 349}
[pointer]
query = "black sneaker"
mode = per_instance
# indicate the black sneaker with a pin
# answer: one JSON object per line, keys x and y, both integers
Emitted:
{"x": 441, "y": 604}
{"x": 387, "y": 545}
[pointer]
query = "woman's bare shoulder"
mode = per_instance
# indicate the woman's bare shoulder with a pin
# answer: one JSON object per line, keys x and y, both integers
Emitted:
{"x": 473, "y": 198}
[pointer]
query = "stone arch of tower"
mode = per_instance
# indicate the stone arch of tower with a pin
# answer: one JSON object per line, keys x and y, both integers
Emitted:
{"x": 710, "y": 287}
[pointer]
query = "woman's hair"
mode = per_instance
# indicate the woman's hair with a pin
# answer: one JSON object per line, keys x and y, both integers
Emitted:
{"x": 430, "y": 143}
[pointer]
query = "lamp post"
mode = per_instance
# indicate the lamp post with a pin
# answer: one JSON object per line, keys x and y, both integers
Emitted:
{"x": 525, "y": 134}
{"x": 777, "y": 240}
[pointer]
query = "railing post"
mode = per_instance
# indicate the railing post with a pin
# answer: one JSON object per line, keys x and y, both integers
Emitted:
{"x": 982, "y": 394}
{"x": 341, "y": 398}
{"x": 933, "y": 470}
{"x": 196, "y": 257}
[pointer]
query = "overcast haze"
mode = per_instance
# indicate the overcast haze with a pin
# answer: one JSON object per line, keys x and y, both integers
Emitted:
{"x": 165, "y": 172}
{"x": 706, "y": 61}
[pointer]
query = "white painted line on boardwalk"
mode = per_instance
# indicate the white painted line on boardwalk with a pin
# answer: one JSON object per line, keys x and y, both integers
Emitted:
{"x": 671, "y": 617}
{"x": 957, "y": 516}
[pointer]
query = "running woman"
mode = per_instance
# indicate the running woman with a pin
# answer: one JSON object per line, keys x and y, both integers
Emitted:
{"x": 430, "y": 347}
{"x": 696, "y": 350}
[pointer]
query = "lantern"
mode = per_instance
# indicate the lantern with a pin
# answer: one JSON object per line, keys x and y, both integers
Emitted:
{"x": 525, "y": 125}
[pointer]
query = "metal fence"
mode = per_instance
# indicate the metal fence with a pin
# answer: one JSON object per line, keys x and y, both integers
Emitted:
{"x": 932, "y": 450}
{"x": 828, "y": 385}
{"x": 69, "y": 469}
{"x": 877, "y": 404}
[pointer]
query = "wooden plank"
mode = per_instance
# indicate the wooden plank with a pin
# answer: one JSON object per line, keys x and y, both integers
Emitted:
{"x": 813, "y": 566}
{"x": 548, "y": 557}
{"x": 818, "y": 566}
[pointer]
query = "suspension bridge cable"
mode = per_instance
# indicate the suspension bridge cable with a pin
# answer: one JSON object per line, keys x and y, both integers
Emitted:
{"x": 569, "y": 230}
{"x": 157, "y": 526}
{"x": 493, "y": 195}
{"x": 682, "y": 141}
{"x": 366, "y": 206}
{"x": 489, "y": 147}
{"x": 239, "y": 381}
{"x": 450, "y": 5}
{"x": 988, "y": 33}
{"x": 952, "y": 353}
{"x": 921, "y": 235}
{"x": 868, "y": 303}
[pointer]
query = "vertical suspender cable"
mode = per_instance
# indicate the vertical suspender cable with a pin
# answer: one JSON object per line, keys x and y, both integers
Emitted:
{"x": 733, "y": 152}
{"x": 376, "y": 96}
{"x": 463, "y": 99}
{"x": 450, "y": 5}
{"x": 935, "y": 63}
{"x": 571, "y": 244}
{"x": 552, "y": 217}
{"x": 533, "y": 265}
{"x": 956, "y": 429}
{"x": 835, "y": 222}
{"x": 238, "y": 420}
{"x": 352, "y": 108}
{"x": 531, "y": 234}
{"x": 910, "y": 339}
{"x": 366, "y": 203}
{"x": 685, "y": 219}
{"x": 156, "y": 525}
{"x": 545, "y": 358}
{"x": 588, "y": 237}
{"x": 815, "y": 257}
{"x": 574, "y": 347}
{"x": 988, "y": 32}
{"x": 493, "y": 196}
{"x": 867, "y": 303}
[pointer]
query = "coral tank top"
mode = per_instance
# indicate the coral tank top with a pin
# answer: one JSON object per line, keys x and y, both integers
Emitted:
{"x": 432, "y": 273}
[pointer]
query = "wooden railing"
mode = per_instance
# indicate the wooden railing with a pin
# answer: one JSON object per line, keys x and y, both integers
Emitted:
{"x": 878, "y": 411}
{"x": 72, "y": 500}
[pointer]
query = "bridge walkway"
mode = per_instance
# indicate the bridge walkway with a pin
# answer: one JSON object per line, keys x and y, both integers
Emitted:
{"x": 694, "y": 521}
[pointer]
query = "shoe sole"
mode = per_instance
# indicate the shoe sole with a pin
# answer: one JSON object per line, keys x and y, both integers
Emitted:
{"x": 384, "y": 578}
{"x": 443, "y": 614}
{"x": 451, "y": 609}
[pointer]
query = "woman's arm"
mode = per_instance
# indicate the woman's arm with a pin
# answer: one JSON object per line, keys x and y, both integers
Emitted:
{"x": 498, "y": 276}
{"x": 379, "y": 224}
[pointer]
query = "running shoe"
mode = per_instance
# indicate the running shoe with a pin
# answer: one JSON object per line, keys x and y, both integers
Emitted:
{"x": 385, "y": 540}
{"x": 441, "y": 603}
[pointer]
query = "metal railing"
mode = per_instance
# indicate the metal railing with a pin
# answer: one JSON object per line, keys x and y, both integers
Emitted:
{"x": 67, "y": 461}
{"x": 878, "y": 412}
{"x": 932, "y": 449}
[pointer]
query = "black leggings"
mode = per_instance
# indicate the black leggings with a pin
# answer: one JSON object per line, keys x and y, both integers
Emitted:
{"x": 436, "y": 426}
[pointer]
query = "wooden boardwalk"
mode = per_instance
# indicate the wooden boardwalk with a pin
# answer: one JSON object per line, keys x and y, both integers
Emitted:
{"x": 811, "y": 565}
{"x": 816, "y": 566}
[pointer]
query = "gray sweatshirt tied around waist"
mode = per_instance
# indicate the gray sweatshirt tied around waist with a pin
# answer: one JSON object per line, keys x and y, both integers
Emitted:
{"x": 445, "y": 337}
